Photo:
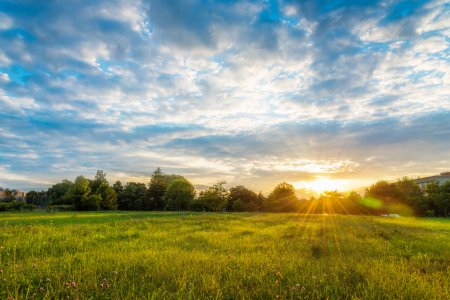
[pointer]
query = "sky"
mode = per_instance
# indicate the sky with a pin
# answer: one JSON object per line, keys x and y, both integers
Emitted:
{"x": 337, "y": 93}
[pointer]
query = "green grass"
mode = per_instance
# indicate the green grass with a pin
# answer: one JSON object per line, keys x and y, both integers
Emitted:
{"x": 195, "y": 255}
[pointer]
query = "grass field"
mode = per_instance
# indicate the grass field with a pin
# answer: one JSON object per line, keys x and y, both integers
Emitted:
{"x": 131, "y": 255}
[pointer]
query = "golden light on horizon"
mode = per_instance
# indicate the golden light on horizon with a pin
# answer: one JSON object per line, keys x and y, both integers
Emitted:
{"x": 322, "y": 184}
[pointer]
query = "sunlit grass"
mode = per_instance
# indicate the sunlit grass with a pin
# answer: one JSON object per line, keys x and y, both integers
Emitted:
{"x": 194, "y": 255}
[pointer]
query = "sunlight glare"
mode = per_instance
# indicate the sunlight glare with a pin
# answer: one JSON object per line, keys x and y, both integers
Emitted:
{"x": 322, "y": 184}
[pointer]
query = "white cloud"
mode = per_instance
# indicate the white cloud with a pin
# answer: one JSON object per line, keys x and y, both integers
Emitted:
{"x": 5, "y": 22}
{"x": 223, "y": 72}
{"x": 431, "y": 45}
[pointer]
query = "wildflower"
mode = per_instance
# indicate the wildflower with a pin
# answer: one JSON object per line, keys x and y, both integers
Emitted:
{"x": 74, "y": 284}
{"x": 41, "y": 289}
{"x": 1, "y": 271}
{"x": 107, "y": 286}
{"x": 101, "y": 285}
{"x": 104, "y": 279}
{"x": 67, "y": 284}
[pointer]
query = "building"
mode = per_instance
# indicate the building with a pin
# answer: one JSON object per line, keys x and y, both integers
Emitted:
{"x": 11, "y": 195}
{"x": 440, "y": 179}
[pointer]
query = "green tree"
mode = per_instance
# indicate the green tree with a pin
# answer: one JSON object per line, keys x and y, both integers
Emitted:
{"x": 171, "y": 177}
{"x": 179, "y": 195}
{"x": 8, "y": 196}
{"x": 412, "y": 195}
{"x": 243, "y": 199}
{"x": 109, "y": 199}
{"x": 32, "y": 197}
{"x": 439, "y": 198}
{"x": 37, "y": 198}
{"x": 58, "y": 194}
{"x": 215, "y": 198}
{"x": 132, "y": 196}
{"x": 100, "y": 186}
{"x": 330, "y": 202}
{"x": 89, "y": 203}
{"x": 118, "y": 187}
{"x": 79, "y": 192}
{"x": 354, "y": 204}
{"x": 282, "y": 199}
{"x": 384, "y": 193}
{"x": 156, "y": 190}
{"x": 98, "y": 182}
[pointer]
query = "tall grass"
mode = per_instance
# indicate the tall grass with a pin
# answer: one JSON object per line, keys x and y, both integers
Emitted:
{"x": 135, "y": 255}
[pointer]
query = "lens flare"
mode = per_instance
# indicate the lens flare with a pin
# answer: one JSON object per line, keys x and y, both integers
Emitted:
{"x": 322, "y": 184}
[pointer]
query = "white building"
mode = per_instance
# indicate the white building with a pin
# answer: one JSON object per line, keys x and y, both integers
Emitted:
{"x": 440, "y": 179}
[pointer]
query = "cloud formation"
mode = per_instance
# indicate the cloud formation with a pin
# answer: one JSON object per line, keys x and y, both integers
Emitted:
{"x": 244, "y": 91}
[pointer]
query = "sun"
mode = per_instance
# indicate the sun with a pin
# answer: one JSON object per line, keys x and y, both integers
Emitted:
{"x": 322, "y": 184}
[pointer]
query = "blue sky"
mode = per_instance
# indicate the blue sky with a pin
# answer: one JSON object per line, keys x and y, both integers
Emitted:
{"x": 250, "y": 92}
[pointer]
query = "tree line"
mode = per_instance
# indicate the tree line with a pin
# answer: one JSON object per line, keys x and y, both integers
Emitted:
{"x": 173, "y": 192}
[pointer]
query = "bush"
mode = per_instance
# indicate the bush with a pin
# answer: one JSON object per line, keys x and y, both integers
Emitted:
{"x": 13, "y": 206}
{"x": 60, "y": 207}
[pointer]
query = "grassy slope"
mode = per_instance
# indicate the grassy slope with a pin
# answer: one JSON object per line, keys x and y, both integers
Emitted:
{"x": 195, "y": 255}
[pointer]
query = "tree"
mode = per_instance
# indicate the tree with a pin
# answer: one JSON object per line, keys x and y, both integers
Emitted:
{"x": 354, "y": 204}
{"x": 58, "y": 193}
{"x": 98, "y": 182}
{"x": 439, "y": 198}
{"x": 132, "y": 196}
{"x": 330, "y": 202}
{"x": 32, "y": 197}
{"x": 118, "y": 187}
{"x": 79, "y": 193}
{"x": 172, "y": 177}
{"x": 282, "y": 199}
{"x": 100, "y": 186}
{"x": 412, "y": 195}
{"x": 8, "y": 196}
{"x": 179, "y": 195}
{"x": 156, "y": 190}
{"x": 243, "y": 199}
{"x": 90, "y": 202}
{"x": 213, "y": 199}
{"x": 37, "y": 198}
{"x": 109, "y": 199}
{"x": 404, "y": 197}
{"x": 384, "y": 193}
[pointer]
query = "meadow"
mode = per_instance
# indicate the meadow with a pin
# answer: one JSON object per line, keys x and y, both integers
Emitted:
{"x": 149, "y": 255}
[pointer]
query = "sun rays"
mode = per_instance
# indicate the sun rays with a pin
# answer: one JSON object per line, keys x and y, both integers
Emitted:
{"x": 322, "y": 184}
